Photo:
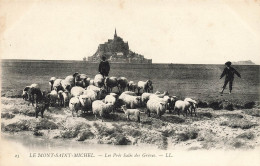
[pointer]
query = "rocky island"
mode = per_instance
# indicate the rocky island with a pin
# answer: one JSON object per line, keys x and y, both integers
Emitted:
{"x": 116, "y": 50}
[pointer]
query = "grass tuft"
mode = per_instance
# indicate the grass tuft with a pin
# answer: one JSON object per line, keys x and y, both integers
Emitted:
{"x": 247, "y": 135}
{"x": 238, "y": 123}
{"x": 249, "y": 105}
{"x": 216, "y": 105}
{"x": 86, "y": 135}
{"x": 17, "y": 126}
{"x": 7, "y": 115}
{"x": 121, "y": 140}
{"x": 46, "y": 124}
{"x": 189, "y": 134}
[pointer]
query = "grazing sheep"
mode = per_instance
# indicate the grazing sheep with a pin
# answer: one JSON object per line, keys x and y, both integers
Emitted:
{"x": 113, "y": 94}
{"x": 57, "y": 85}
{"x": 129, "y": 112}
{"x": 99, "y": 107}
{"x": 130, "y": 101}
{"x": 41, "y": 107}
{"x": 163, "y": 98}
{"x": 171, "y": 104}
{"x": 131, "y": 86}
{"x": 101, "y": 93}
{"x": 60, "y": 98}
{"x": 92, "y": 95}
{"x": 81, "y": 80}
{"x": 145, "y": 97}
{"x": 99, "y": 80}
{"x": 64, "y": 98}
{"x": 156, "y": 107}
{"x": 145, "y": 85}
{"x": 91, "y": 81}
{"x": 110, "y": 83}
{"x": 193, "y": 106}
{"x": 25, "y": 94}
{"x": 74, "y": 105}
{"x": 76, "y": 91}
{"x": 66, "y": 85}
{"x": 71, "y": 79}
{"x": 122, "y": 84}
{"x": 182, "y": 106}
{"x": 53, "y": 96}
{"x": 159, "y": 95}
{"x": 129, "y": 93}
{"x": 36, "y": 86}
{"x": 112, "y": 98}
{"x": 52, "y": 79}
{"x": 86, "y": 102}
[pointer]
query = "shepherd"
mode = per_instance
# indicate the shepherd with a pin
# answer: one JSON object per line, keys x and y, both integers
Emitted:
{"x": 104, "y": 67}
{"x": 229, "y": 72}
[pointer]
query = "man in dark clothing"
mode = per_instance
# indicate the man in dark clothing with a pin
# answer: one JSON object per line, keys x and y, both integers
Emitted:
{"x": 104, "y": 67}
{"x": 229, "y": 72}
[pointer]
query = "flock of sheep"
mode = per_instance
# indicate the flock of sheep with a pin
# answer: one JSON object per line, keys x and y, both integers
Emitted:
{"x": 84, "y": 94}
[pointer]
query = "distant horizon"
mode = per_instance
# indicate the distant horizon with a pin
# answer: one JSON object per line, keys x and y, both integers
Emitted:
{"x": 185, "y": 32}
{"x": 133, "y": 63}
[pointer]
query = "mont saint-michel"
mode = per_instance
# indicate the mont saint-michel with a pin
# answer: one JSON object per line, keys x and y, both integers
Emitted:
{"x": 116, "y": 50}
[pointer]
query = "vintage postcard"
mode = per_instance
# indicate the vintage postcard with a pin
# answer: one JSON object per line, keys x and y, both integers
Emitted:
{"x": 130, "y": 82}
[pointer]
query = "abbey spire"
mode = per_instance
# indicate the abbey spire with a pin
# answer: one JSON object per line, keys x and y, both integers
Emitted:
{"x": 115, "y": 35}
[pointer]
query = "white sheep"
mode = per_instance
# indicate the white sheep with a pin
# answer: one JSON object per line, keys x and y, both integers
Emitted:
{"x": 92, "y": 95}
{"x": 65, "y": 98}
{"x": 129, "y": 112}
{"x": 155, "y": 106}
{"x": 36, "y": 86}
{"x": 165, "y": 100}
{"x": 53, "y": 96}
{"x": 129, "y": 93}
{"x": 74, "y": 105}
{"x": 131, "y": 86}
{"x": 52, "y": 79}
{"x": 111, "y": 98}
{"x": 57, "y": 85}
{"x": 76, "y": 91}
{"x": 94, "y": 88}
{"x": 130, "y": 101}
{"x": 145, "y": 97}
{"x": 101, "y": 93}
{"x": 99, "y": 107}
{"x": 182, "y": 106}
{"x": 66, "y": 85}
{"x": 71, "y": 80}
{"x": 159, "y": 95}
{"x": 145, "y": 85}
{"x": 99, "y": 80}
{"x": 193, "y": 106}
{"x": 91, "y": 82}
{"x": 113, "y": 94}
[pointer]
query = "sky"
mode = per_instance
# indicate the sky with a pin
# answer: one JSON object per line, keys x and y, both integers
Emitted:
{"x": 188, "y": 31}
